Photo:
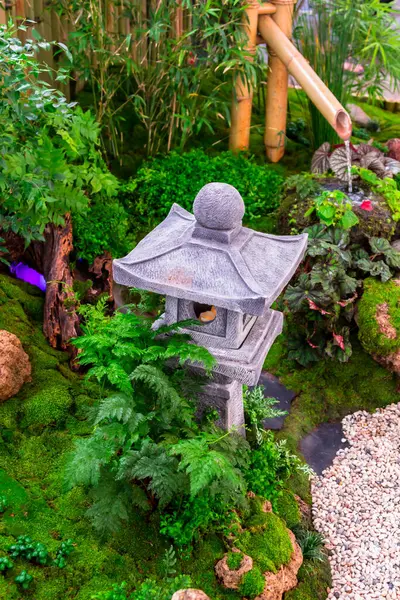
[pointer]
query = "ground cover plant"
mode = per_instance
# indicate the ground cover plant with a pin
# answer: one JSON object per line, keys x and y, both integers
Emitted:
{"x": 160, "y": 182}
{"x": 42, "y": 427}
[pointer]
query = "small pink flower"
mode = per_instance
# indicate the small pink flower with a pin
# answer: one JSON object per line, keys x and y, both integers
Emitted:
{"x": 366, "y": 205}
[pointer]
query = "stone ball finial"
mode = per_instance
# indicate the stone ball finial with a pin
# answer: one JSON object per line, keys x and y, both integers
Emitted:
{"x": 219, "y": 206}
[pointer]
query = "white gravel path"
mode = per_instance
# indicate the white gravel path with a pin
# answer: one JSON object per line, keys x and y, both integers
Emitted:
{"x": 356, "y": 506}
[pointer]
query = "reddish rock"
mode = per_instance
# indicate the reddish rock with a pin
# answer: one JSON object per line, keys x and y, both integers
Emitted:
{"x": 15, "y": 368}
{"x": 394, "y": 148}
{"x": 231, "y": 579}
{"x": 190, "y": 594}
{"x": 277, "y": 584}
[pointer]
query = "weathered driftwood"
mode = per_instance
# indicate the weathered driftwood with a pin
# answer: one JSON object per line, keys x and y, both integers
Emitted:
{"x": 60, "y": 321}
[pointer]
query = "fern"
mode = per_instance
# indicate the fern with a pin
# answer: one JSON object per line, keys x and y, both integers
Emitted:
{"x": 89, "y": 457}
{"x": 153, "y": 465}
{"x": 205, "y": 465}
{"x": 118, "y": 406}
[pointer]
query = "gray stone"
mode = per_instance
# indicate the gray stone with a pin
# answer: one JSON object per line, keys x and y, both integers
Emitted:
{"x": 226, "y": 276}
{"x": 218, "y": 206}
{"x": 226, "y": 396}
{"x": 360, "y": 117}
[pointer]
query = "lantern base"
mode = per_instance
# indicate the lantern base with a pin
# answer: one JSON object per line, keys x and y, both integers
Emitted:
{"x": 226, "y": 396}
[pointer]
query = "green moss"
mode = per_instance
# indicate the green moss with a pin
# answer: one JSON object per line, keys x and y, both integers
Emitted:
{"x": 49, "y": 406}
{"x": 314, "y": 582}
{"x": 370, "y": 335}
{"x": 328, "y": 391}
{"x": 288, "y": 509}
{"x": 234, "y": 560}
{"x": 270, "y": 547}
{"x": 252, "y": 583}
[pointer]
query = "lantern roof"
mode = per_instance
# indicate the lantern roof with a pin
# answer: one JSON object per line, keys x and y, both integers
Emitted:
{"x": 209, "y": 258}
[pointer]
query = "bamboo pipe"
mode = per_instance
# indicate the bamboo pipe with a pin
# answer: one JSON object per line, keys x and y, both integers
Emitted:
{"x": 242, "y": 101}
{"x": 298, "y": 66}
{"x": 277, "y": 86}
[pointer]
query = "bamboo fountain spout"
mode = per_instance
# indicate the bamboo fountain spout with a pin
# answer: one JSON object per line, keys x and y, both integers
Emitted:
{"x": 313, "y": 86}
{"x": 271, "y": 22}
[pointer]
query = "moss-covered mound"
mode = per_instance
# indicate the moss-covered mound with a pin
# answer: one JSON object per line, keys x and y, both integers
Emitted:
{"x": 299, "y": 198}
{"x": 288, "y": 509}
{"x": 37, "y": 430}
{"x": 267, "y": 541}
{"x": 379, "y": 321}
{"x": 379, "y": 316}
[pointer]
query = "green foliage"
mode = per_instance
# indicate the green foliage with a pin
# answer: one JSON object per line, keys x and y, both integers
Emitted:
{"x": 5, "y": 563}
{"x": 375, "y": 339}
{"x": 24, "y": 580}
{"x": 269, "y": 545}
{"x": 311, "y": 543}
{"x": 63, "y": 551}
{"x": 287, "y": 508}
{"x": 3, "y": 504}
{"x": 179, "y": 177}
{"x": 103, "y": 227}
{"x": 252, "y": 583}
{"x": 270, "y": 466}
{"x": 195, "y": 518}
{"x": 338, "y": 29}
{"x": 37, "y": 553}
{"x": 47, "y": 406}
{"x": 50, "y": 163}
{"x": 3, "y": 250}
{"x": 304, "y": 184}
{"x": 234, "y": 560}
{"x": 321, "y": 300}
{"x": 387, "y": 187}
{"x": 333, "y": 208}
{"x": 146, "y": 450}
{"x": 31, "y": 551}
{"x": 158, "y": 73}
{"x": 257, "y": 408}
{"x": 41, "y": 507}
{"x": 295, "y": 130}
{"x": 148, "y": 590}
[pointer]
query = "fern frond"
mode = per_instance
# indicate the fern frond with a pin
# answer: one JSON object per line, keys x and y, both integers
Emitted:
{"x": 152, "y": 463}
{"x": 108, "y": 513}
{"x": 160, "y": 383}
{"x": 203, "y": 464}
{"x": 118, "y": 406}
{"x": 86, "y": 461}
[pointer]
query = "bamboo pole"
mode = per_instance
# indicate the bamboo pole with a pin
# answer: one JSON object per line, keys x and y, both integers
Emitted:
{"x": 3, "y": 16}
{"x": 243, "y": 94}
{"x": 277, "y": 86}
{"x": 313, "y": 86}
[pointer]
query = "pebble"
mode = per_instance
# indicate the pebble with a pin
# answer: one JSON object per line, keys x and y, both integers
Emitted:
{"x": 356, "y": 507}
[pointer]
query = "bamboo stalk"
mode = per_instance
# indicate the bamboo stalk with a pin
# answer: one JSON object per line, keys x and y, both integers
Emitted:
{"x": 277, "y": 86}
{"x": 315, "y": 89}
{"x": 3, "y": 16}
{"x": 111, "y": 16}
{"x": 239, "y": 138}
{"x": 178, "y": 25}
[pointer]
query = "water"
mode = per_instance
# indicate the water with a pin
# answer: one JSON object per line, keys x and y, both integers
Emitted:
{"x": 348, "y": 156}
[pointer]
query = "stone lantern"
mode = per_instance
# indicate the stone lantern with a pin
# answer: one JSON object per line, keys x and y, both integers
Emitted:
{"x": 223, "y": 275}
